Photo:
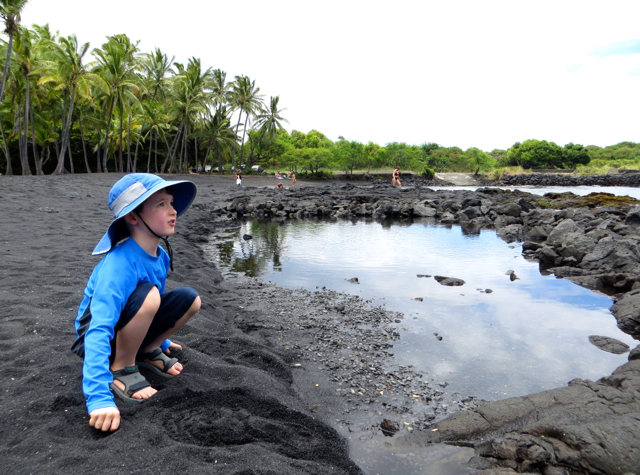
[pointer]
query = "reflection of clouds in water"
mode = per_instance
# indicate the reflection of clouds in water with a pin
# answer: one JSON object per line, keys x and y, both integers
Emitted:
{"x": 526, "y": 336}
{"x": 534, "y": 345}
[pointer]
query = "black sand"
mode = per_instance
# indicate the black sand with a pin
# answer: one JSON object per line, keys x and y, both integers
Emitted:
{"x": 235, "y": 410}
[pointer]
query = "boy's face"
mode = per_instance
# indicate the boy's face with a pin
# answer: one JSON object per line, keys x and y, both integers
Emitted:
{"x": 159, "y": 214}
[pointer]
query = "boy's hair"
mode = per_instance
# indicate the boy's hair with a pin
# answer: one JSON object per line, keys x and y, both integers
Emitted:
{"x": 168, "y": 189}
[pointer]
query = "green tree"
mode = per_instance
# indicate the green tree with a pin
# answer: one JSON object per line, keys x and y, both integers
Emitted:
{"x": 10, "y": 12}
{"x": 191, "y": 102}
{"x": 372, "y": 152}
{"x": 575, "y": 154}
{"x": 65, "y": 69}
{"x": 479, "y": 160}
{"x": 218, "y": 136}
{"x": 536, "y": 154}
{"x": 116, "y": 64}
{"x": 269, "y": 123}
{"x": 348, "y": 155}
{"x": 245, "y": 97}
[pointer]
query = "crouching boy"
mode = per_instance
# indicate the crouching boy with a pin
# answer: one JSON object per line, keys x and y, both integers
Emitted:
{"x": 126, "y": 318}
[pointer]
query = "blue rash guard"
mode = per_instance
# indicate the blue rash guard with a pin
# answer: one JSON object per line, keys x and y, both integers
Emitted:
{"x": 111, "y": 283}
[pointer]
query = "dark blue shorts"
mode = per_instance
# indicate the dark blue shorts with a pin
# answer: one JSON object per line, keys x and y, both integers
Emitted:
{"x": 173, "y": 306}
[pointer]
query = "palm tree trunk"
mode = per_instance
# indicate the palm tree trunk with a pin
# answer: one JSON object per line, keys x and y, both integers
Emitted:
{"x": 242, "y": 145}
{"x": 121, "y": 130}
{"x": 5, "y": 70}
{"x": 70, "y": 157}
{"x": 24, "y": 157}
{"x": 170, "y": 150}
{"x": 9, "y": 170}
{"x": 135, "y": 155}
{"x": 253, "y": 147}
{"x": 106, "y": 138}
{"x": 98, "y": 159}
{"x": 66, "y": 126}
{"x": 196, "y": 152}
{"x": 129, "y": 163}
{"x": 150, "y": 150}
{"x": 233, "y": 155}
{"x": 36, "y": 156}
{"x": 84, "y": 147}
{"x": 156, "y": 154}
{"x": 206, "y": 157}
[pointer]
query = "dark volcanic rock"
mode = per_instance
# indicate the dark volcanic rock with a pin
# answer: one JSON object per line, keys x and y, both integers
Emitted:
{"x": 449, "y": 281}
{"x": 586, "y": 427}
{"x": 610, "y": 345}
{"x": 627, "y": 313}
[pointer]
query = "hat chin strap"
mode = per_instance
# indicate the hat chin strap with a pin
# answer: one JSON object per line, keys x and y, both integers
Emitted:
{"x": 164, "y": 238}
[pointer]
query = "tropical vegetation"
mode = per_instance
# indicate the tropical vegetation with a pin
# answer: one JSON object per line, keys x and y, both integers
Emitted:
{"x": 66, "y": 108}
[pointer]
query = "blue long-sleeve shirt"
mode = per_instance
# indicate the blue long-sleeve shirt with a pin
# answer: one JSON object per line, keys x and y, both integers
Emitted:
{"x": 111, "y": 283}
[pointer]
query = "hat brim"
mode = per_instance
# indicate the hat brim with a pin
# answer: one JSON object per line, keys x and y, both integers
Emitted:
{"x": 184, "y": 192}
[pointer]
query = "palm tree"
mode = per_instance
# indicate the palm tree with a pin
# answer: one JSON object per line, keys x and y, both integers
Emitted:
{"x": 116, "y": 64}
{"x": 191, "y": 101}
{"x": 220, "y": 88}
{"x": 269, "y": 122}
{"x": 10, "y": 12}
{"x": 64, "y": 68}
{"x": 245, "y": 97}
{"x": 26, "y": 54}
{"x": 218, "y": 136}
{"x": 157, "y": 67}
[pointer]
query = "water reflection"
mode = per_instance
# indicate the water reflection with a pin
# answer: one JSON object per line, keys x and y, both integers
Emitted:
{"x": 541, "y": 190}
{"x": 526, "y": 336}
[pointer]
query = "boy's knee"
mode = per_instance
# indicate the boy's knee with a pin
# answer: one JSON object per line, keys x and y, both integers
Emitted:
{"x": 195, "y": 307}
{"x": 152, "y": 301}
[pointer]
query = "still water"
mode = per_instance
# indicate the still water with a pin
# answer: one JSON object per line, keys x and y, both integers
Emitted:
{"x": 525, "y": 336}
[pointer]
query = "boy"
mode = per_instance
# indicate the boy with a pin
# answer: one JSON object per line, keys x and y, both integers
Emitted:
{"x": 126, "y": 318}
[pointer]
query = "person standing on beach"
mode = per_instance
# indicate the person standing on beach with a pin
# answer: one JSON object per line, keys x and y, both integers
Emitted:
{"x": 395, "y": 179}
{"x": 125, "y": 318}
{"x": 239, "y": 177}
{"x": 293, "y": 178}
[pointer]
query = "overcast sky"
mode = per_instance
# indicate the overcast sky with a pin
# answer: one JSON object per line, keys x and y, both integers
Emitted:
{"x": 466, "y": 73}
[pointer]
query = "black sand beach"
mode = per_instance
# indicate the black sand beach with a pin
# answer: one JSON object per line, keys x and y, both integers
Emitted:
{"x": 254, "y": 398}
{"x": 235, "y": 409}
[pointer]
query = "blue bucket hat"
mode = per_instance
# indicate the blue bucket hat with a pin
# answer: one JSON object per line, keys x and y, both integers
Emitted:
{"x": 130, "y": 192}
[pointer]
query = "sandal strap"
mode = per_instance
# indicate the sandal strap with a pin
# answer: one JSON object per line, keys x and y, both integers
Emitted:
{"x": 131, "y": 378}
{"x": 158, "y": 355}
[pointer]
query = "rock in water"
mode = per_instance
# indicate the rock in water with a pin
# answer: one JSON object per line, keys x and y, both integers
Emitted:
{"x": 353, "y": 280}
{"x": 449, "y": 281}
{"x": 608, "y": 344}
{"x": 389, "y": 428}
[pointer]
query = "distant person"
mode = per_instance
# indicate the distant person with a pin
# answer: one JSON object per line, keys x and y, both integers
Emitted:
{"x": 395, "y": 179}
{"x": 239, "y": 177}
{"x": 279, "y": 185}
{"x": 279, "y": 175}
{"x": 125, "y": 318}
{"x": 293, "y": 178}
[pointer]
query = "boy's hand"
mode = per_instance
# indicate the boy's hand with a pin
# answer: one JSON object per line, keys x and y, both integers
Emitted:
{"x": 105, "y": 418}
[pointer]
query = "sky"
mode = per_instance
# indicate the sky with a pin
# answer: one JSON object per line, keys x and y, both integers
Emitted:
{"x": 464, "y": 73}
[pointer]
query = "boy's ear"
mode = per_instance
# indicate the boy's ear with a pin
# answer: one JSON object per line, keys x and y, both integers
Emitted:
{"x": 131, "y": 218}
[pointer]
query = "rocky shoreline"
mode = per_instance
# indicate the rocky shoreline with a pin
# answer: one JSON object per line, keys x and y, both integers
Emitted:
{"x": 592, "y": 241}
